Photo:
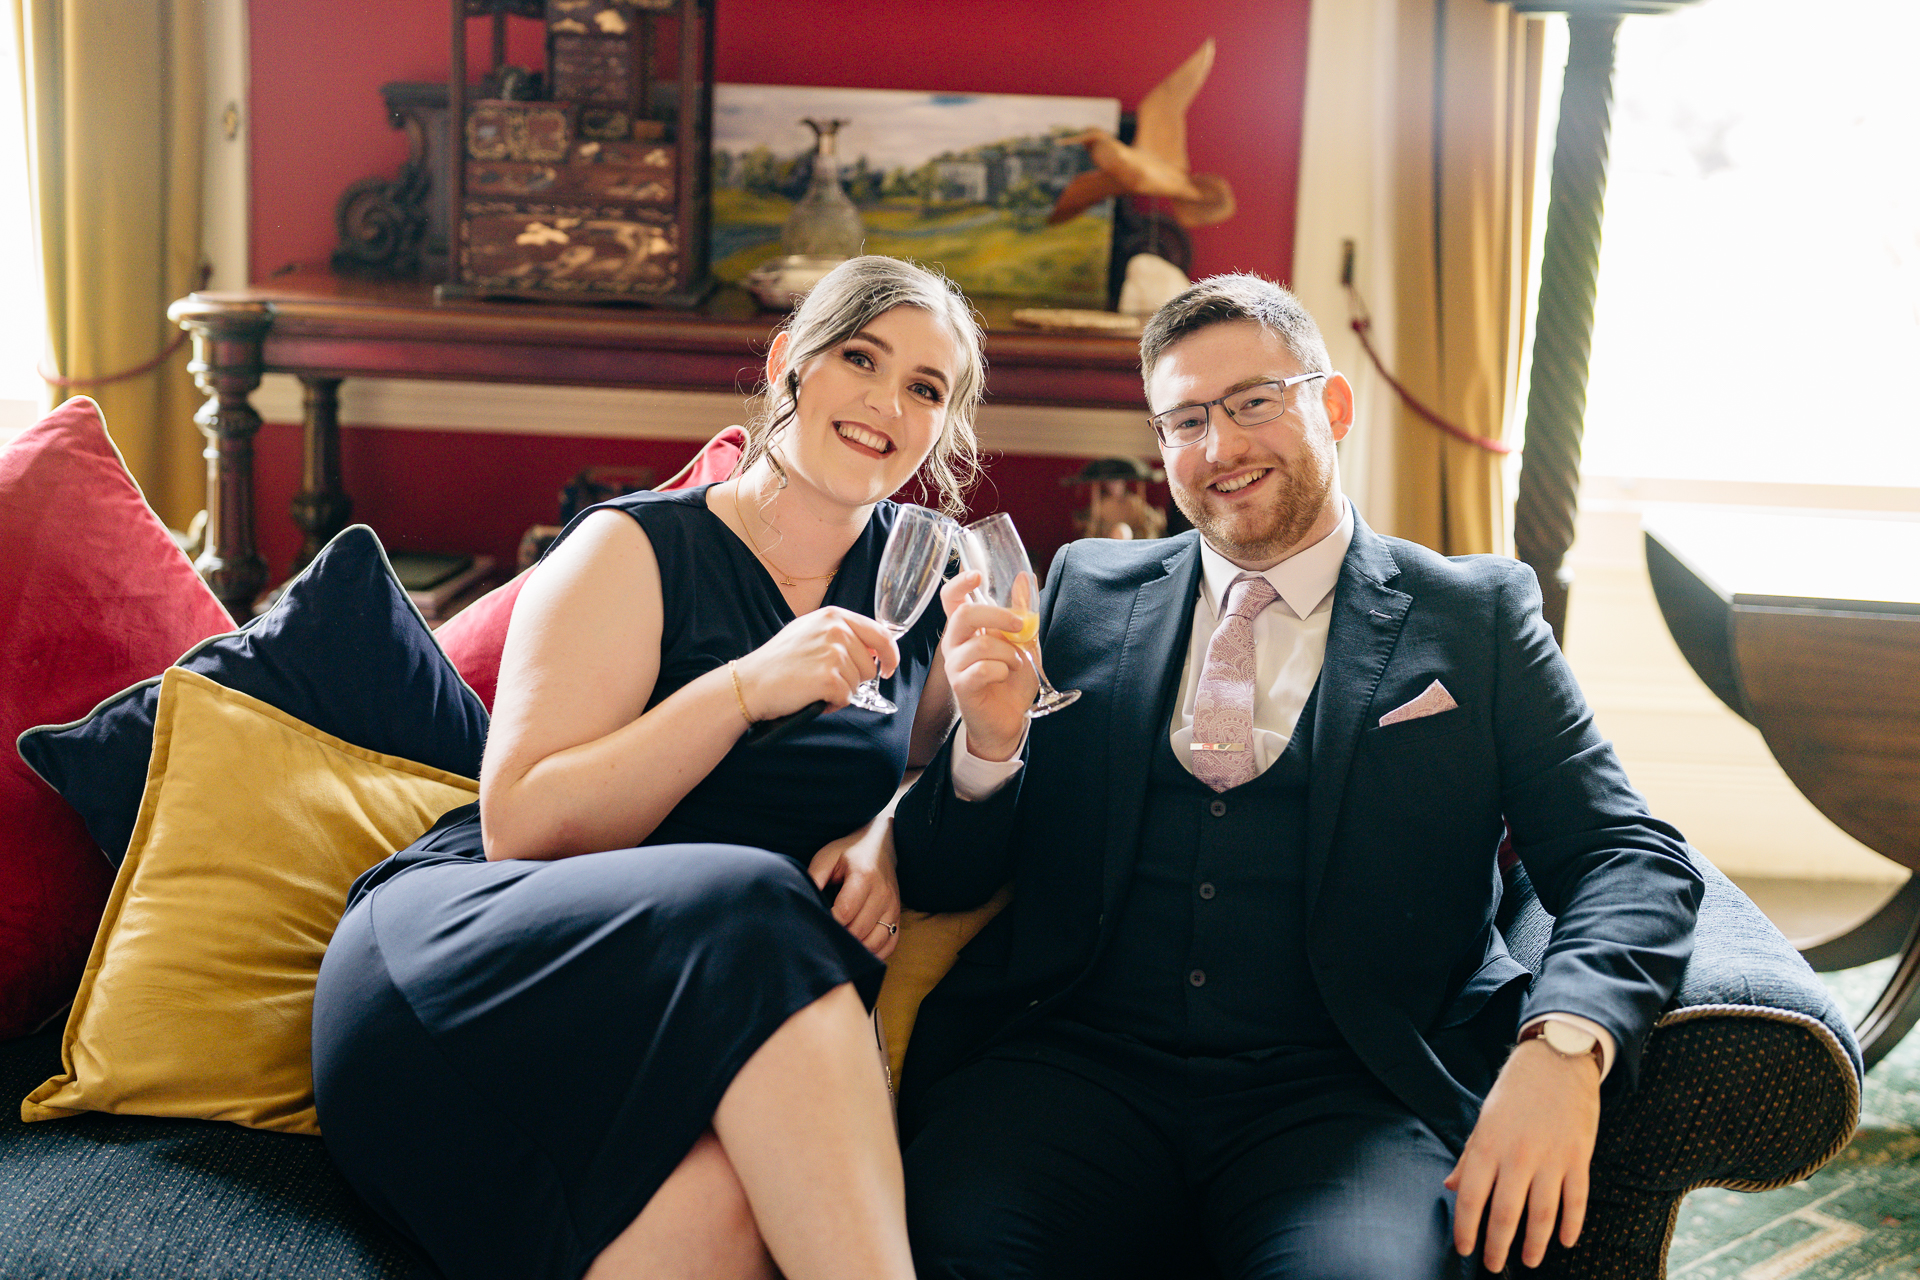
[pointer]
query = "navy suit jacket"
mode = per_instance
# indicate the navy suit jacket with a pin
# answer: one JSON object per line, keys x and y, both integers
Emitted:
{"x": 1404, "y": 823}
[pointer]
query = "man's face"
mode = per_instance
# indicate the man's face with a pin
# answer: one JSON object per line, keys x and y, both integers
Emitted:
{"x": 1256, "y": 494}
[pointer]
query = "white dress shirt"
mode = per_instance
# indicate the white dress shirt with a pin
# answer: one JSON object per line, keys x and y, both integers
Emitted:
{"x": 1290, "y": 640}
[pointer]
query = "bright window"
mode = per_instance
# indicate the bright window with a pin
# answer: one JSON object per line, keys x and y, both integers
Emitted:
{"x": 1756, "y": 342}
{"x": 1759, "y": 305}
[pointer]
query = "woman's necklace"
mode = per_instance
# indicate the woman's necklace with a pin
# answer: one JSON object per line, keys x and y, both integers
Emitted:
{"x": 780, "y": 575}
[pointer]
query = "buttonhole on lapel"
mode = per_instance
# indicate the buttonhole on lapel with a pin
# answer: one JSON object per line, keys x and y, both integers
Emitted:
{"x": 1377, "y": 614}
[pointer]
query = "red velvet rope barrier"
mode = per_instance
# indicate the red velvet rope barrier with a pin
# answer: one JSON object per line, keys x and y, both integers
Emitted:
{"x": 139, "y": 370}
{"x": 1360, "y": 324}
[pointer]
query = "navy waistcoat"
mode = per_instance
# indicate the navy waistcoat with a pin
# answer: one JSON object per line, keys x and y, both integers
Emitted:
{"x": 1208, "y": 956}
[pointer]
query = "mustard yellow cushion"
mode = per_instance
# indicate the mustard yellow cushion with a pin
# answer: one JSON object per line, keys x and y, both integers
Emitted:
{"x": 197, "y": 999}
{"x": 927, "y": 948}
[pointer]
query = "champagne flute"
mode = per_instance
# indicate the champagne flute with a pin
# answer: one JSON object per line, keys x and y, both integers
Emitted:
{"x": 993, "y": 546}
{"x": 911, "y": 570}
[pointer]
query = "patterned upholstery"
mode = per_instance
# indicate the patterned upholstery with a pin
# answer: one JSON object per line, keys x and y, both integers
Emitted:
{"x": 101, "y": 1196}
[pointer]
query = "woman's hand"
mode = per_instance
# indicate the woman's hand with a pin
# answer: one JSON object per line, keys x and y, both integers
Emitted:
{"x": 992, "y": 682}
{"x": 869, "y": 899}
{"x": 820, "y": 656}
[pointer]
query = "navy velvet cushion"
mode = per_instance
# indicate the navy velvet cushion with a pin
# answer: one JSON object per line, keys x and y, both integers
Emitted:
{"x": 343, "y": 650}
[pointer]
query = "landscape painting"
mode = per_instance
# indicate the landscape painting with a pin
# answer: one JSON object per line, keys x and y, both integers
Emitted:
{"x": 959, "y": 181}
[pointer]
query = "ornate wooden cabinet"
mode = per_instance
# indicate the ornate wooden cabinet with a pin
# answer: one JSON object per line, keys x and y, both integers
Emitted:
{"x": 589, "y": 183}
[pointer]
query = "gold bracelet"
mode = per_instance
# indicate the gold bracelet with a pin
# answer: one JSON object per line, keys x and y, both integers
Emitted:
{"x": 733, "y": 669}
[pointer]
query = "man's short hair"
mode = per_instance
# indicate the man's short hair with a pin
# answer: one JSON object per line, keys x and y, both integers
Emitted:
{"x": 1221, "y": 299}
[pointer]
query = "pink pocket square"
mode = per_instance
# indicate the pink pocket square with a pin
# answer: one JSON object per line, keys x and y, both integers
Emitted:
{"x": 1432, "y": 701}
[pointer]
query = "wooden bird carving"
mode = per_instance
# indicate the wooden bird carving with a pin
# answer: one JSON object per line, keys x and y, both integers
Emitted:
{"x": 1155, "y": 164}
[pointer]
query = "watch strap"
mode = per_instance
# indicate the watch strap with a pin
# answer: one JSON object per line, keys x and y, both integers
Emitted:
{"x": 1538, "y": 1031}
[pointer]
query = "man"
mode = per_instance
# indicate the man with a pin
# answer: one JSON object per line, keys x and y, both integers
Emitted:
{"x": 1249, "y": 995}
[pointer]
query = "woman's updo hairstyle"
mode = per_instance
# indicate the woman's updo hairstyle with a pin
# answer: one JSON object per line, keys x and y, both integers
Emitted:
{"x": 846, "y": 300}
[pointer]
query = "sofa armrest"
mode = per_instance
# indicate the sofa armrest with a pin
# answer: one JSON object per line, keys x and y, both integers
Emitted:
{"x": 1740, "y": 960}
{"x": 1746, "y": 1098}
{"x": 1750, "y": 1080}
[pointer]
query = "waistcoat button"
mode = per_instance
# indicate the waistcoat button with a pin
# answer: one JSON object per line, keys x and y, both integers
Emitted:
{"x": 1206, "y": 891}
{"x": 1218, "y": 808}
{"x": 1198, "y": 977}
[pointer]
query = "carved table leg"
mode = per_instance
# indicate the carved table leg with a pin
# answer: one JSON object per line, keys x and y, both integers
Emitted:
{"x": 1875, "y": 938}
{"x": 226, "y": 366}
{"x": 322, "y": 508}
{"x": 1898, "y": 1007}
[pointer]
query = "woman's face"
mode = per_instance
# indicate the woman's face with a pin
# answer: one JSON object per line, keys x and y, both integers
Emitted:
{"x": 872, "y": 408}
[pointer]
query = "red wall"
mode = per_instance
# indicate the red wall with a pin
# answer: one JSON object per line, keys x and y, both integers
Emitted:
{"x": 318, "y": 124}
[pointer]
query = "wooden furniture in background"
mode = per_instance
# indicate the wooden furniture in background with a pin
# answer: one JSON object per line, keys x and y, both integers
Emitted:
{"x": 1809, "y": 628}
{"x": 599, "y": 188}
{"x": 323, "y": 330}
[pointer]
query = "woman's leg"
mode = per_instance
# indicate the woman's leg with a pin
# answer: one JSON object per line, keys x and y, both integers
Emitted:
{"x": 696, "y": 1227}
{"x": 805, "y": 1152}
{"x": 808, "y": 1127}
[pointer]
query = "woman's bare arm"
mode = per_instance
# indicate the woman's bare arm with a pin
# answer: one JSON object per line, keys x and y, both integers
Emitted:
{"x": 571, "y": 763}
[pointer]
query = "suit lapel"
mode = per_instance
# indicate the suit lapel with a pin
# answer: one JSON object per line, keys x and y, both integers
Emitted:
{"x": 1152, "y": 660}
{"x": 1366, "y": 622}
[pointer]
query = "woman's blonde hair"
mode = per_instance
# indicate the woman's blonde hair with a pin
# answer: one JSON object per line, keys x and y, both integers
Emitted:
{"x": 846, "y": 300}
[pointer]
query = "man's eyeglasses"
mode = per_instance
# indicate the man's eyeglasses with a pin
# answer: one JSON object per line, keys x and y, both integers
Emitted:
{"x": 1248, "y": 407}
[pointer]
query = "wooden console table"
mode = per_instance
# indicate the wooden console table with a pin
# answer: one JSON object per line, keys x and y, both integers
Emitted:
{"x": 1809, "y": 628}
{"x": 323, "y": 329}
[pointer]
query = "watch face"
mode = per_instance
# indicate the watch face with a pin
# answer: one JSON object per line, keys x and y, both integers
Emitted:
{"x": 1571, "y": 1041}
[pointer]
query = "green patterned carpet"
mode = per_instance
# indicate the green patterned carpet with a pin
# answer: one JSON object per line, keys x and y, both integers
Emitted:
{"x": 1857, "y": 1219}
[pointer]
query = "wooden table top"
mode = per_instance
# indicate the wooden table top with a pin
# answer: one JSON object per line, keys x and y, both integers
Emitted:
{"x": 1797, "y": 560}
{"x": 324, "y": 325}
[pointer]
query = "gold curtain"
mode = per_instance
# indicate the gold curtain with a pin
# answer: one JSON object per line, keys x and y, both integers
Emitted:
{"x": 113, "y": 98}
{"x": 1468, "y": 94}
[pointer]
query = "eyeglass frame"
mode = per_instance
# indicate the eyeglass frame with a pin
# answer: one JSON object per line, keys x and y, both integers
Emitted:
{"x": 1206, "y": 406}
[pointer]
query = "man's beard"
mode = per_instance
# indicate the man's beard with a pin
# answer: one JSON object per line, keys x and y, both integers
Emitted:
{"x": 1275, "y": 529}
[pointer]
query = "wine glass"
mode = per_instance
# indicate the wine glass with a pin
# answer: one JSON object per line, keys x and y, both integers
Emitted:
{"x": 993, "y": 546}
{"x": 911, "y": 569}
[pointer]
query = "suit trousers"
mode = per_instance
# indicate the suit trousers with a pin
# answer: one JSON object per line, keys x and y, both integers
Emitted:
{"x": 1070, "y": 1152}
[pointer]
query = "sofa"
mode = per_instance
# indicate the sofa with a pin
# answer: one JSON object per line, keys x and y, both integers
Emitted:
{"x": 151, "y": 975}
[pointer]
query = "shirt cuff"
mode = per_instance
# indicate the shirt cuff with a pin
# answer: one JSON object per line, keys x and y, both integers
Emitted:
{"x": 1587, "y": 1025}
{"x": 975, "y": 779}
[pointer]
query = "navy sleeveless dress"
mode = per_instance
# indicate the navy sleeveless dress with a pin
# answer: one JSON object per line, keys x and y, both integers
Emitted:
{"x": 509, "y": 1058}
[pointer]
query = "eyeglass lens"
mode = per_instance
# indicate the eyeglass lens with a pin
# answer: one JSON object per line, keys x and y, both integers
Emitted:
{"x": 1249, "y": 407}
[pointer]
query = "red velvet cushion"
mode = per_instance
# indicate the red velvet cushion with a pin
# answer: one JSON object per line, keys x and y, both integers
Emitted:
{"x": 477, "y": 634}
{"x": 714, "y": 462}
{"x": 474, "y": 637}
{"x": 94, "y": 595}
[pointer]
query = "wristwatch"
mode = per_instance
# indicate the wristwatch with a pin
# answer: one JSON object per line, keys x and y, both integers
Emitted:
{"x": 1566, "y": 1040}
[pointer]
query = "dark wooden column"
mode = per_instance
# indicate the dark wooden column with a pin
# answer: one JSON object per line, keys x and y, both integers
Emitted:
{"x": 322, "y": 507}
{"x": 1549, "y": 496}
{"x": 226, "y": 365}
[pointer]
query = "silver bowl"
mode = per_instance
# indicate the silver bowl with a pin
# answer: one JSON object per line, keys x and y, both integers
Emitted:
{"x": 780, "y": 283}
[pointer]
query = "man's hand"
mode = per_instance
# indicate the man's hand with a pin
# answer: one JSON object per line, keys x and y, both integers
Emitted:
{"x": 992, "y": 683}
{"x": 1529, "y": 1153}
{"x": 869, "y": 898}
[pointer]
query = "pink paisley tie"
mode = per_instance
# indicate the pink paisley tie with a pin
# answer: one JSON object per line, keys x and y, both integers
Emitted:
{"x": 1222, "y": 750}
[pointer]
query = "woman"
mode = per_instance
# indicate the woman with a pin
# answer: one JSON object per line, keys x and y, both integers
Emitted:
{"x": 654, "y": 1059}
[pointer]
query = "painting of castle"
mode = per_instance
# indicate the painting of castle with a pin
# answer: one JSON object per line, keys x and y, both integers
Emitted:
{"x": 955, "y": 180}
